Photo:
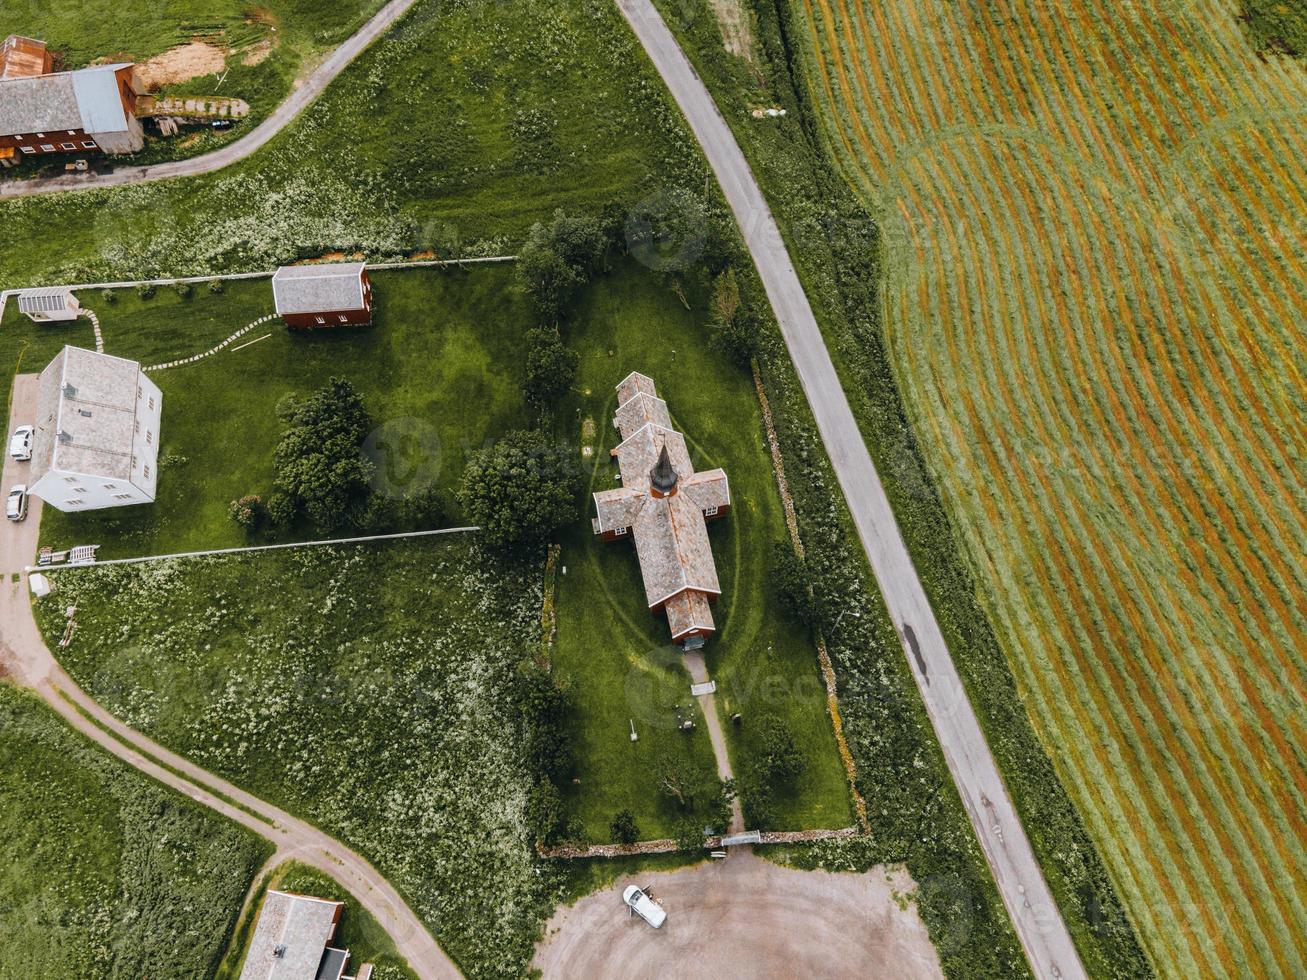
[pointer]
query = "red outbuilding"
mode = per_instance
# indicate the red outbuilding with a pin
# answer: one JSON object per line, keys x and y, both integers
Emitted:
{"x": 315, "y": 297}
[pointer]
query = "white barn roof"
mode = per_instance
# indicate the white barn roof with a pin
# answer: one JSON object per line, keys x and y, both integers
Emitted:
{"x": 323, "y": 288}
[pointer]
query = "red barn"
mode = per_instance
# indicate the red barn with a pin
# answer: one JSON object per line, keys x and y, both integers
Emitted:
{"x": 315, "y": 297}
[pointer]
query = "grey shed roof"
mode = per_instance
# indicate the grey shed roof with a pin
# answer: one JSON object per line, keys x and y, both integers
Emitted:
{"x": 299, "y": 926}
{"x": 47, "y": 300}
{"x": 324, "y": 288}
{"x": 86, "y": 99}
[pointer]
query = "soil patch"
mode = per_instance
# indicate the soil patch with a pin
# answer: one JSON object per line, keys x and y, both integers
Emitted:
{"x": 737, "y": 33}
{"x": 182, "y": 63}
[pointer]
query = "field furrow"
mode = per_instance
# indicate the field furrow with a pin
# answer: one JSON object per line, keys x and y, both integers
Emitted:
{"x": 1095, "y": 301}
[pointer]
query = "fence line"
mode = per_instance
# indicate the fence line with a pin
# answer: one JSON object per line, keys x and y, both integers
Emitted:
{"x": 667, "y": 845}
{"x": 233, "y": 276}
{"x": 256, "y": 547}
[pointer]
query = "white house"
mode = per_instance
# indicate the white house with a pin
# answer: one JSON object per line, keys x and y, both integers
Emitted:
{"x": 291, "y": 941}
{"x": 97, "y": 433}
{"x": 49, "y": 303}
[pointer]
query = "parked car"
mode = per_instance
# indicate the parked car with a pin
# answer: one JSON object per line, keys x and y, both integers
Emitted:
{"x": 20, "y": 443}
{"x": 222, "y": 124}
{"x": 16, "y": 503}
{"x": 638, "y": 901}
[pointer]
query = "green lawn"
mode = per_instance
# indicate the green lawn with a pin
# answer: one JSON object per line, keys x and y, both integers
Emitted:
{"x": 454, "y": 132}
{"x": 619, "y": 657}
{"x": 441, "y": 364}
{"x": 296, "y": 33}
{"x": 358, "y": 930}
{"x": 103, "y": 872}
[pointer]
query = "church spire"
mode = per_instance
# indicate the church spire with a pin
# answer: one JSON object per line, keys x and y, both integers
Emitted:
{"x": 662, "y": 478}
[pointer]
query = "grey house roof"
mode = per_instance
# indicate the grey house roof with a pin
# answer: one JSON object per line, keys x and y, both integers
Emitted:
{"x": 87, "y": 99}
{"x": 86, "y": 415}
{"x": 670, "y": 534}
{"x": 325, "y": 288}
{"x": 300, "y": 926}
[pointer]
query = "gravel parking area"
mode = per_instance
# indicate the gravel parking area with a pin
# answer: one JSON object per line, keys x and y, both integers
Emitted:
{"x": 745, "y": 917}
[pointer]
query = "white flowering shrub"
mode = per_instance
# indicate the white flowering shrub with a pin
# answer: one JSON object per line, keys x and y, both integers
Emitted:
{"x": 366, "y": 688}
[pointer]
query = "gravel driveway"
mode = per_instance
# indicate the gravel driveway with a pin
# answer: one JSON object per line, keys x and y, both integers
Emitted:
{"x": 745, "y": 917}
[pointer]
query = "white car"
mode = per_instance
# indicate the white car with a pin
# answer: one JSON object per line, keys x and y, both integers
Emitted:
{"x": 20, "y": 443}
{"x": 645, "y": 907}
{"x": 16, "y": 502}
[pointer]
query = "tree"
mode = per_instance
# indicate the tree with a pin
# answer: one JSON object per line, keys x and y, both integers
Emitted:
{"x": 558, "y": 258}
{"x": 689, "y": 835}
{"x": 735, "y": 326}
{"x": 319, "y": 463}
{"x": 778, "y": 752}
{"x": 550, "y": 367}
{"x": 624, "y": 828}
{"x": 520, "y": 490}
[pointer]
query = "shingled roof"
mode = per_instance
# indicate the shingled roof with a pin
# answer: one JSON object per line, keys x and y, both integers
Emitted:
{"x": 662, "y": 504}
{"x": 87, "y": 99}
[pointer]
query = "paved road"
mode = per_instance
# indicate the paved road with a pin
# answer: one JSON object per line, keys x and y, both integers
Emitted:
{"x": 1038, "y": 921}
{"x": 305, "y": 92}
{"x": 744, "y": 918}
{"x": 25, "y": 657}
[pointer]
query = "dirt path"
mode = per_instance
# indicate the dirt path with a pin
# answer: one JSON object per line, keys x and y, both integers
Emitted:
{"x": 698, "y": 669}
{"x": 25, "y": 658}
{"x": 299, "y": 100}
{"x": 746, "y": 917}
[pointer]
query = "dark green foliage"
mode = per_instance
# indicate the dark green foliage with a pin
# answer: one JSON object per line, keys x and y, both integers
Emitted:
{"x": 145, "y": 291}
{"x": 1277, "y": 25}
{"x": 557, "y": 259}
{"x": 545, "y": 709}
{"x": 103, "y": 872}
{"x": 778, "y": 757}
{"x": 624, "y": 828}
{"x": 735, "y": 325}
{"x": 183, "y": 289}
{"x": 793, "y": 585}
{"x": 215, "y": 286}
{"x": 550, "y": 367}
{"x": 693, "y": 789}
{"x": 319, "y": 463}
{"x": 520, "y": 490}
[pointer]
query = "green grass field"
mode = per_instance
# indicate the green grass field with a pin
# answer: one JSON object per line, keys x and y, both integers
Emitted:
{"x": 358, "y": 931}
{"x": 620, "y": 656}
{"x": 366, "y": 688}
{"x": 266, "y": 46}
{"x": 442, "y": 363}
{"x": 104, "y": 873}
{"x": 532, "y": 106}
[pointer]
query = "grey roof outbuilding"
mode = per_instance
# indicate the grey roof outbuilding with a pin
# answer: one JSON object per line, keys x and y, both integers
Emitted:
{"x": 322, "y": 288}
{"x": 88, "y": 100}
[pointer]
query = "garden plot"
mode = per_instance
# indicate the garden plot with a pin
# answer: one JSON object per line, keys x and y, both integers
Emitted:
{"x": 439, "y": 372}
{"x": 365, "y": 688}
{"x": 104, "y": 872}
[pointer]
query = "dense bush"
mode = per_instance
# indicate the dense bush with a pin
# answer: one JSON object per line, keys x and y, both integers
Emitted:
{"x": 624, "y": 828}
{"x": 520, "y": 490}
{"x": 249, "y": 512}
{"x": 557, "y": 259}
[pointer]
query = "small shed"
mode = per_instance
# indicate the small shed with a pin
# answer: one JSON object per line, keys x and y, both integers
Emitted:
{"x": 49, "y": 304}
{"x": 314, "y": 297}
